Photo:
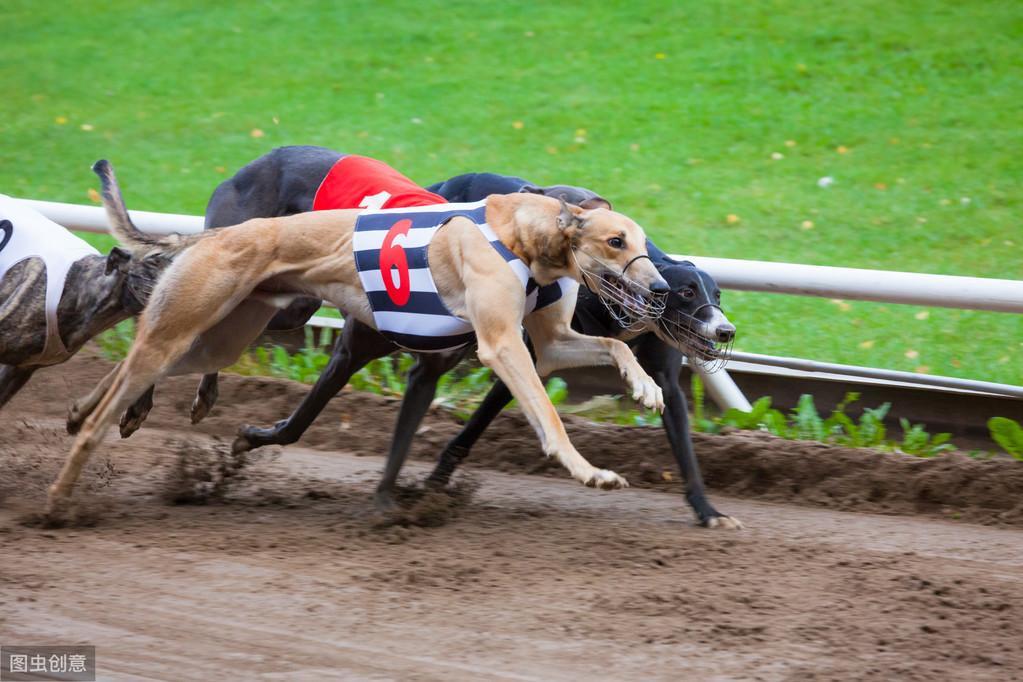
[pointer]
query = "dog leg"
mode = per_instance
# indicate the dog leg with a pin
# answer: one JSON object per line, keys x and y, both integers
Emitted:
{"x": 80, "y": 409}
{"x": 458, "y": 448}
{"x": 131, "y": 420}
{"x": 558, "y": 346}
{"x": 422, "y": 387}
{"x": 201, "y": 289}
{"x": 507, "y": 355}
{"x": 664, "y": 363}
{"x": 145, "y": 364}
{"x": 354, "y": 349}
{"x": 11, "y": 381}
{"x": 205, "y": 397}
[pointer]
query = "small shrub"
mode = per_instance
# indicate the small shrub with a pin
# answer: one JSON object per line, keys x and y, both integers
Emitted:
{"x": 1008, "y": 434}
{"x": 115, "y": 342}
{"x": 916, "y": 440}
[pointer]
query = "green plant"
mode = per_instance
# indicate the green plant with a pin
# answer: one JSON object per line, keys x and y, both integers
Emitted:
{"x": 114, "y": 343}
{"x": 700, "y": 421}
{"x": 916, "y": 440}
{"x": 557, "y": 390}
{"x": 611, "y": 409}
{"x": 762, "y": 417}
{"x": 1007, "y": 433}
{"x": 869, "y": 432}
{"x": 464, "y": 390}
{"x": 807, "y": 421}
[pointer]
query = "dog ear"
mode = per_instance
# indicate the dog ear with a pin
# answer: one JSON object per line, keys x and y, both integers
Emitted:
{"x": 565, "y": 217}
{"x": 595, "y": 202}
{"x": 117, "y": 259}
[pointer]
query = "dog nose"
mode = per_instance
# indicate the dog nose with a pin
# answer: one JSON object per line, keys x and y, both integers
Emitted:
{"x": 660, "y": 287}
{"x": 726, "y": 332}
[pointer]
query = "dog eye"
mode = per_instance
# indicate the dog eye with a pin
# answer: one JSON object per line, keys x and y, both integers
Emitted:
{"x": 616, "y": 243}
{"x": 688, "y": 292}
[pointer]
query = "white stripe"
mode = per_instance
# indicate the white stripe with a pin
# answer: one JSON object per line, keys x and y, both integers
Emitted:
{"x": 420, "y": 278}
{"x": 373, "y": 240}
{"x": 488, "y": 232}
{"x": 520, "y": 269}
{"x": 420, "y": 324}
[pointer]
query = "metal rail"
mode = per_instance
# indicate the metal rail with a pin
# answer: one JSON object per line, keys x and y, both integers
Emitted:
{"x": 947, "y": 291}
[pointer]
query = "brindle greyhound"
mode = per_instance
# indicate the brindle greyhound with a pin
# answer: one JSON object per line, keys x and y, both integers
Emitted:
{"x": 286, "y": 180}
{"x": 98, "y": 292}
{"x": 203, "y": 296}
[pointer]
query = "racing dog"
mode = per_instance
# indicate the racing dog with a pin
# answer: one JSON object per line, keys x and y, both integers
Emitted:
{"x": 296, "y": 179}
{"x": 474, "y": 267}
{"x": 287, "y": 179}
{"x": 691, "y": 320}
{"x": 57, "y": 292}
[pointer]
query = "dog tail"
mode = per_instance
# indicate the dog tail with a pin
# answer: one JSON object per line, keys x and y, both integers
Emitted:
{"x": 121, "y": 223}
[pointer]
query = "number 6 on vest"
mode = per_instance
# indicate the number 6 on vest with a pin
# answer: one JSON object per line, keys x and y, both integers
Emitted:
{"x": 393, "y": 256}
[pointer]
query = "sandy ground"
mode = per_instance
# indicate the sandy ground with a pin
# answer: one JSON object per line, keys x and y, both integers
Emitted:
{"x": 278, "y": 569}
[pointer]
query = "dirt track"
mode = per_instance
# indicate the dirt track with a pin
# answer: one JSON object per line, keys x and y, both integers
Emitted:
{"x": 526, "y": 577}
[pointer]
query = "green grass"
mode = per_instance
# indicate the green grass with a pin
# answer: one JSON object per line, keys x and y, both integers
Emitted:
{"x": 672, "y": 110}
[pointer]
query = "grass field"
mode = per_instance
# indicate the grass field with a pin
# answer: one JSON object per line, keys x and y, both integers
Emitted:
{"x": 710, "y": 123}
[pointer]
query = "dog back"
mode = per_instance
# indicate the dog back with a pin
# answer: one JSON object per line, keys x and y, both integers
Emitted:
{"x": 361, "y": 182}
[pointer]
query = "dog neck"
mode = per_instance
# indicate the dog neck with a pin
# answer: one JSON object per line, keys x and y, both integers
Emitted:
{"x": 527, "y": 224}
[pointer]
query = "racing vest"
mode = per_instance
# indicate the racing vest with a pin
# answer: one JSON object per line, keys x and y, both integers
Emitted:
{"x": 390, "y": 245}
{"x": 31, "y": 234}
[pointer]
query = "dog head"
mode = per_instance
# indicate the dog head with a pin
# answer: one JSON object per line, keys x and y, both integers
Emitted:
{"x": 578, "y": 196}
{"x": 692, "y": 320}
{"x": 608, "y": 255}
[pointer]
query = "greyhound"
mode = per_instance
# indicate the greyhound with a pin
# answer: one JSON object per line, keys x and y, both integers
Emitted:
{"x": 57, "y": 292}
{"x": 475, "y": 266}
{"x": 287, "y": 180}
{"x": 297, "y": 179}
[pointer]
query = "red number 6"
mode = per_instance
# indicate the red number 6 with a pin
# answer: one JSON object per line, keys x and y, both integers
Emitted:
{"x": 393, "y": 256}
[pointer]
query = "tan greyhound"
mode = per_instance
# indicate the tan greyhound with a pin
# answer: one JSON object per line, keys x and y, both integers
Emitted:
{"x": 219, "y": 276}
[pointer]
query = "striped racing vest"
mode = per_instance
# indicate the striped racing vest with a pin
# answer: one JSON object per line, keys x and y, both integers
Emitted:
{"x": 390, "y": 248}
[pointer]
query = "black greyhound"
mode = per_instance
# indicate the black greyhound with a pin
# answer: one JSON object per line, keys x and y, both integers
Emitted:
{"x": 285, "y": 181}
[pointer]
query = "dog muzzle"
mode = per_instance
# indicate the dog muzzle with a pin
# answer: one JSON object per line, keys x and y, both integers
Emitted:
{"x": 631, "y": 304}
{"x": 696, "y": 339}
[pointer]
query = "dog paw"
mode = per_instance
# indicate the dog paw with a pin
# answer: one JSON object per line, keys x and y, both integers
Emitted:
{"x": 606, "y": 479}
{"x": 200, "y": 409}
{"x": 384, "y": 502}
{"x": 75, "y": 419}
{"x": 241, "y": 443}
{"x": 131, "y": 422}
{"x": 724, "y": 523}
{"x": 649, "y": 394}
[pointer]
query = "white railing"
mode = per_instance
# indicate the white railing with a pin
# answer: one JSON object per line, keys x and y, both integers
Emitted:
{"x": 949, "y": 291}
